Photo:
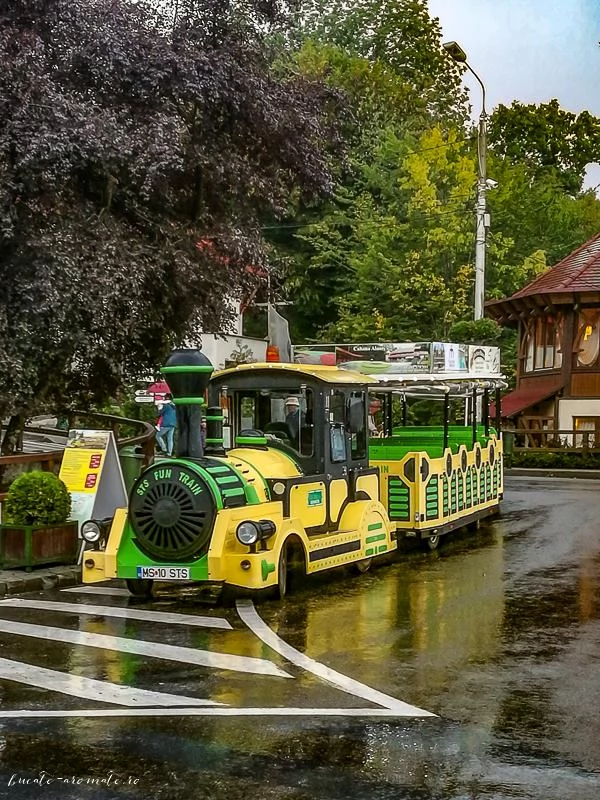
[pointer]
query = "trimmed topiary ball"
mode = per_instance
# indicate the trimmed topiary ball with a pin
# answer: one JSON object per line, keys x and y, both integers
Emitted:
{"x": 37, "y": 498}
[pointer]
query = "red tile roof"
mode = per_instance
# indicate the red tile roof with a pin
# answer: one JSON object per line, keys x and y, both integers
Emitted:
{"x": 527, "y": 396}
{"x": 577, "y": 272}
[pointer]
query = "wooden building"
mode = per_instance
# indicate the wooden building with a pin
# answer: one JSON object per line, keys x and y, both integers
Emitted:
{"x": 558, "y": 371}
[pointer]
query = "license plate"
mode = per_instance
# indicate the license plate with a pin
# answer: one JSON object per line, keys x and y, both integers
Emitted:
{"x": 164, "y": 573}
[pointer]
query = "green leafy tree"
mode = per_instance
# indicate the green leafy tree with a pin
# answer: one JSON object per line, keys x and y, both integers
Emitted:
{"x": 547, "y": 139}
{"x": 387, "y": 60}
{"x": 534, "y": 223}
{"x": 397, "y": 35}
{"x": 403, "y": 241}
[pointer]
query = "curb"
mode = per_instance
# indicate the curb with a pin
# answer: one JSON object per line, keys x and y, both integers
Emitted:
{"x": 586, "y": 474}
{"x": 13, "y": 581}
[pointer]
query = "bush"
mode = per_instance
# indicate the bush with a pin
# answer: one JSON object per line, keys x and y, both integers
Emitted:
{"x": 541, "y": 459}
{"x": 37, "y": 498}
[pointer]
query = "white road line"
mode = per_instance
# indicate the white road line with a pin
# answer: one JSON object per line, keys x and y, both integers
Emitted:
{"x": 168, "y": 652}
{"x": 203, "y": 712}
{"x": 90, "y": 688}
{"x": 124, "y": 613}
{"x": 249, "y": 615}
{"x": 112, "y": 591}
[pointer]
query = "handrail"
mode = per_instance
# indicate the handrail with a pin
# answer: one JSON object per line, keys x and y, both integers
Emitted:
{"x": 48, "y": 460}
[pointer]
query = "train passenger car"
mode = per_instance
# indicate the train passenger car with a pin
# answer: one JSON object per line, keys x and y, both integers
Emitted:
{"x": 286, "y": 482}
{"x": 436, "y": 478}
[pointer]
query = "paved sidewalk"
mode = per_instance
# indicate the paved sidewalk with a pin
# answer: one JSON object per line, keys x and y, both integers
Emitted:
{"x": 18, "y": 581}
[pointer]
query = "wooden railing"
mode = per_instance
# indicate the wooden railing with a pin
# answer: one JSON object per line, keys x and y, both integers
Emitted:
{"x": 553, "y": 441}
{"x": 51, "y": 459}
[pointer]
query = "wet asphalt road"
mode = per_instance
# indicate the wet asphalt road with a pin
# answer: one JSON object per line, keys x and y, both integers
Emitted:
{"x": 497, "y": 634}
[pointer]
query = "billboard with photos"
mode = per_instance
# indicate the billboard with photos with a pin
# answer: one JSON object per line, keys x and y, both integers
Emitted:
{"x": 404, "y": 357}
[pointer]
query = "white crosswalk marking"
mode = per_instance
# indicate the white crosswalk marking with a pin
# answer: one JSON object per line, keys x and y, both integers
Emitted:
{"x": 109, "y": 591}
{"x": 91, "y": 689}
{"x": 139, "y": 702}
{"x": 199, "y": 712}
{"x": 124, "y": 613}
{"x": 169, "y": 652}
{"x": 248, "y": 613}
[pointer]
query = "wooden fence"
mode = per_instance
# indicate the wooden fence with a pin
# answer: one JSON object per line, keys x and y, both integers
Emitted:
{"x": 551, "y": 440}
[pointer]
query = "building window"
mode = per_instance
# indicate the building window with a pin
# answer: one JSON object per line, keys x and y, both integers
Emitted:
{"x": 587, "y": 341}
{"x": 541, "y": 347}
{"x": 588, "y": 431}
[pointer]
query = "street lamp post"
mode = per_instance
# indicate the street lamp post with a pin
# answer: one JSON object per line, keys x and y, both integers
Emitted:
{"x": 459, "y": 55}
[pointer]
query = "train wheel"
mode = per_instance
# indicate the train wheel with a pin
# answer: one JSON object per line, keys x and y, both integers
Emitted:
{"x": 433, "y": 542}
{"x": 282, "y": 572}
{"x": 364, "y": 565}
{"x": 140, "y": 587}
{"x": 292, "y": 566}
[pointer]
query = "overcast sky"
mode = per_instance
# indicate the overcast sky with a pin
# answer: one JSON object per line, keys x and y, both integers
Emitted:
{"x": 528, "y": 50}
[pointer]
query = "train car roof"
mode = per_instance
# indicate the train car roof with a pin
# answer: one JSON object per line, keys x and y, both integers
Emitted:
{"x": 436, "y": 384}
{"x": 320, "y": 372}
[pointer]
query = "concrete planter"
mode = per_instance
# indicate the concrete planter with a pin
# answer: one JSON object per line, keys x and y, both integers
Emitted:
{"x": 32, "y": 545}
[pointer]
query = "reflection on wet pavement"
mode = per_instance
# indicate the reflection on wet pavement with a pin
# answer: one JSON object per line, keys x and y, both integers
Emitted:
{"x": 497, "y": 633}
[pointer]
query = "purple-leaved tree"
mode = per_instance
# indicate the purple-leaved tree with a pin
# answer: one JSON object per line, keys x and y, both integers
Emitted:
{"x": 126, "y": 137}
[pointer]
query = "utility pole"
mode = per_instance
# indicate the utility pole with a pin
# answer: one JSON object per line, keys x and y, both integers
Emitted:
{"x": 483, "y": 220}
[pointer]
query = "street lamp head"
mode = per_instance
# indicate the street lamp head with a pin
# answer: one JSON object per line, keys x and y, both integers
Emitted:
{"x": 455, "y": 51}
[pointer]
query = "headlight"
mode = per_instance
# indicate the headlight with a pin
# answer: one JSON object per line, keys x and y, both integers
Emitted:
{"x": 90, "y": 531}
{"x": 247, "y": 533}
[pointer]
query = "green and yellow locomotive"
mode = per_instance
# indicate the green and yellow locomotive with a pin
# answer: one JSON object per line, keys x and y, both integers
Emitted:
{"x": 287, "y": 480}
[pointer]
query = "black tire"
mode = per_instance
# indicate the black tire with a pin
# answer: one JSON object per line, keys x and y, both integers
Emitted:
{"x": 140, "y": 587}
{"x": 364, "y": 565}
{"x": 282, "y": 573}
{"x": 433, "y": 542}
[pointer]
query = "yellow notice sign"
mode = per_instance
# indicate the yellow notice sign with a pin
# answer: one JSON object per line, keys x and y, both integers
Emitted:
{"x": 92, "y": 473}
{"x": 83, "y": 460}
{"x": 81, "y": 469}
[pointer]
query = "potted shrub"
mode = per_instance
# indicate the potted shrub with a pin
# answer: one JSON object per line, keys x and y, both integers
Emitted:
{"x": 35, "y": 527}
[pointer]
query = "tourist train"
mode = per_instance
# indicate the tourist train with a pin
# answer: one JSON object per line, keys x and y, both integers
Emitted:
{"x": 307, "y": 467}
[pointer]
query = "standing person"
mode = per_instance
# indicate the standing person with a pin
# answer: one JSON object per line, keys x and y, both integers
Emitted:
{"x": 166, "y": 434}
{"x": 157, "y": 424}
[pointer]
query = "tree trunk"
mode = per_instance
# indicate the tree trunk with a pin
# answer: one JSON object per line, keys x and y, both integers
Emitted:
{"x": 12, "y": 435}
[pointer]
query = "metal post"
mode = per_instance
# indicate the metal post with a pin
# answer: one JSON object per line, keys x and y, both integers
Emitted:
{"x": 458, "y": 54}
{"x": 480, "y": 241}
{"x": 486, "y": 411}
{"x": 446, "y": 418}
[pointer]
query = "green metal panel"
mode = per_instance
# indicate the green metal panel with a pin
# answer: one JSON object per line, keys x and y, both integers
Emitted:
{"x": 398, "y": 499}
{"x": 432, "y": 506}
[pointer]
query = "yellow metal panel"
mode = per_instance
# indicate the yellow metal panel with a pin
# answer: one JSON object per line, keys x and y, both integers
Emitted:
{"x": 338, "y": 494}
{"x": 308, "y": 503}
{"x": 105, "y": 562}
{"x": 368, "y": 484}
{"x": 365, "y": 522}
{"x": 319, "y": 371}
{"x": 270, "y": 463}
{"x": 392, "y": 469}
{"x": 226, "y": 555}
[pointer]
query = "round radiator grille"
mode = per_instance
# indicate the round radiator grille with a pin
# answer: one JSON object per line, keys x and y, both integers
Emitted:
{"x": 172, "y": 513}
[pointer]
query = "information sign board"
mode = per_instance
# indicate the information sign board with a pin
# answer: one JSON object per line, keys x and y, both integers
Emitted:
{"x": 92, "y": 473}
